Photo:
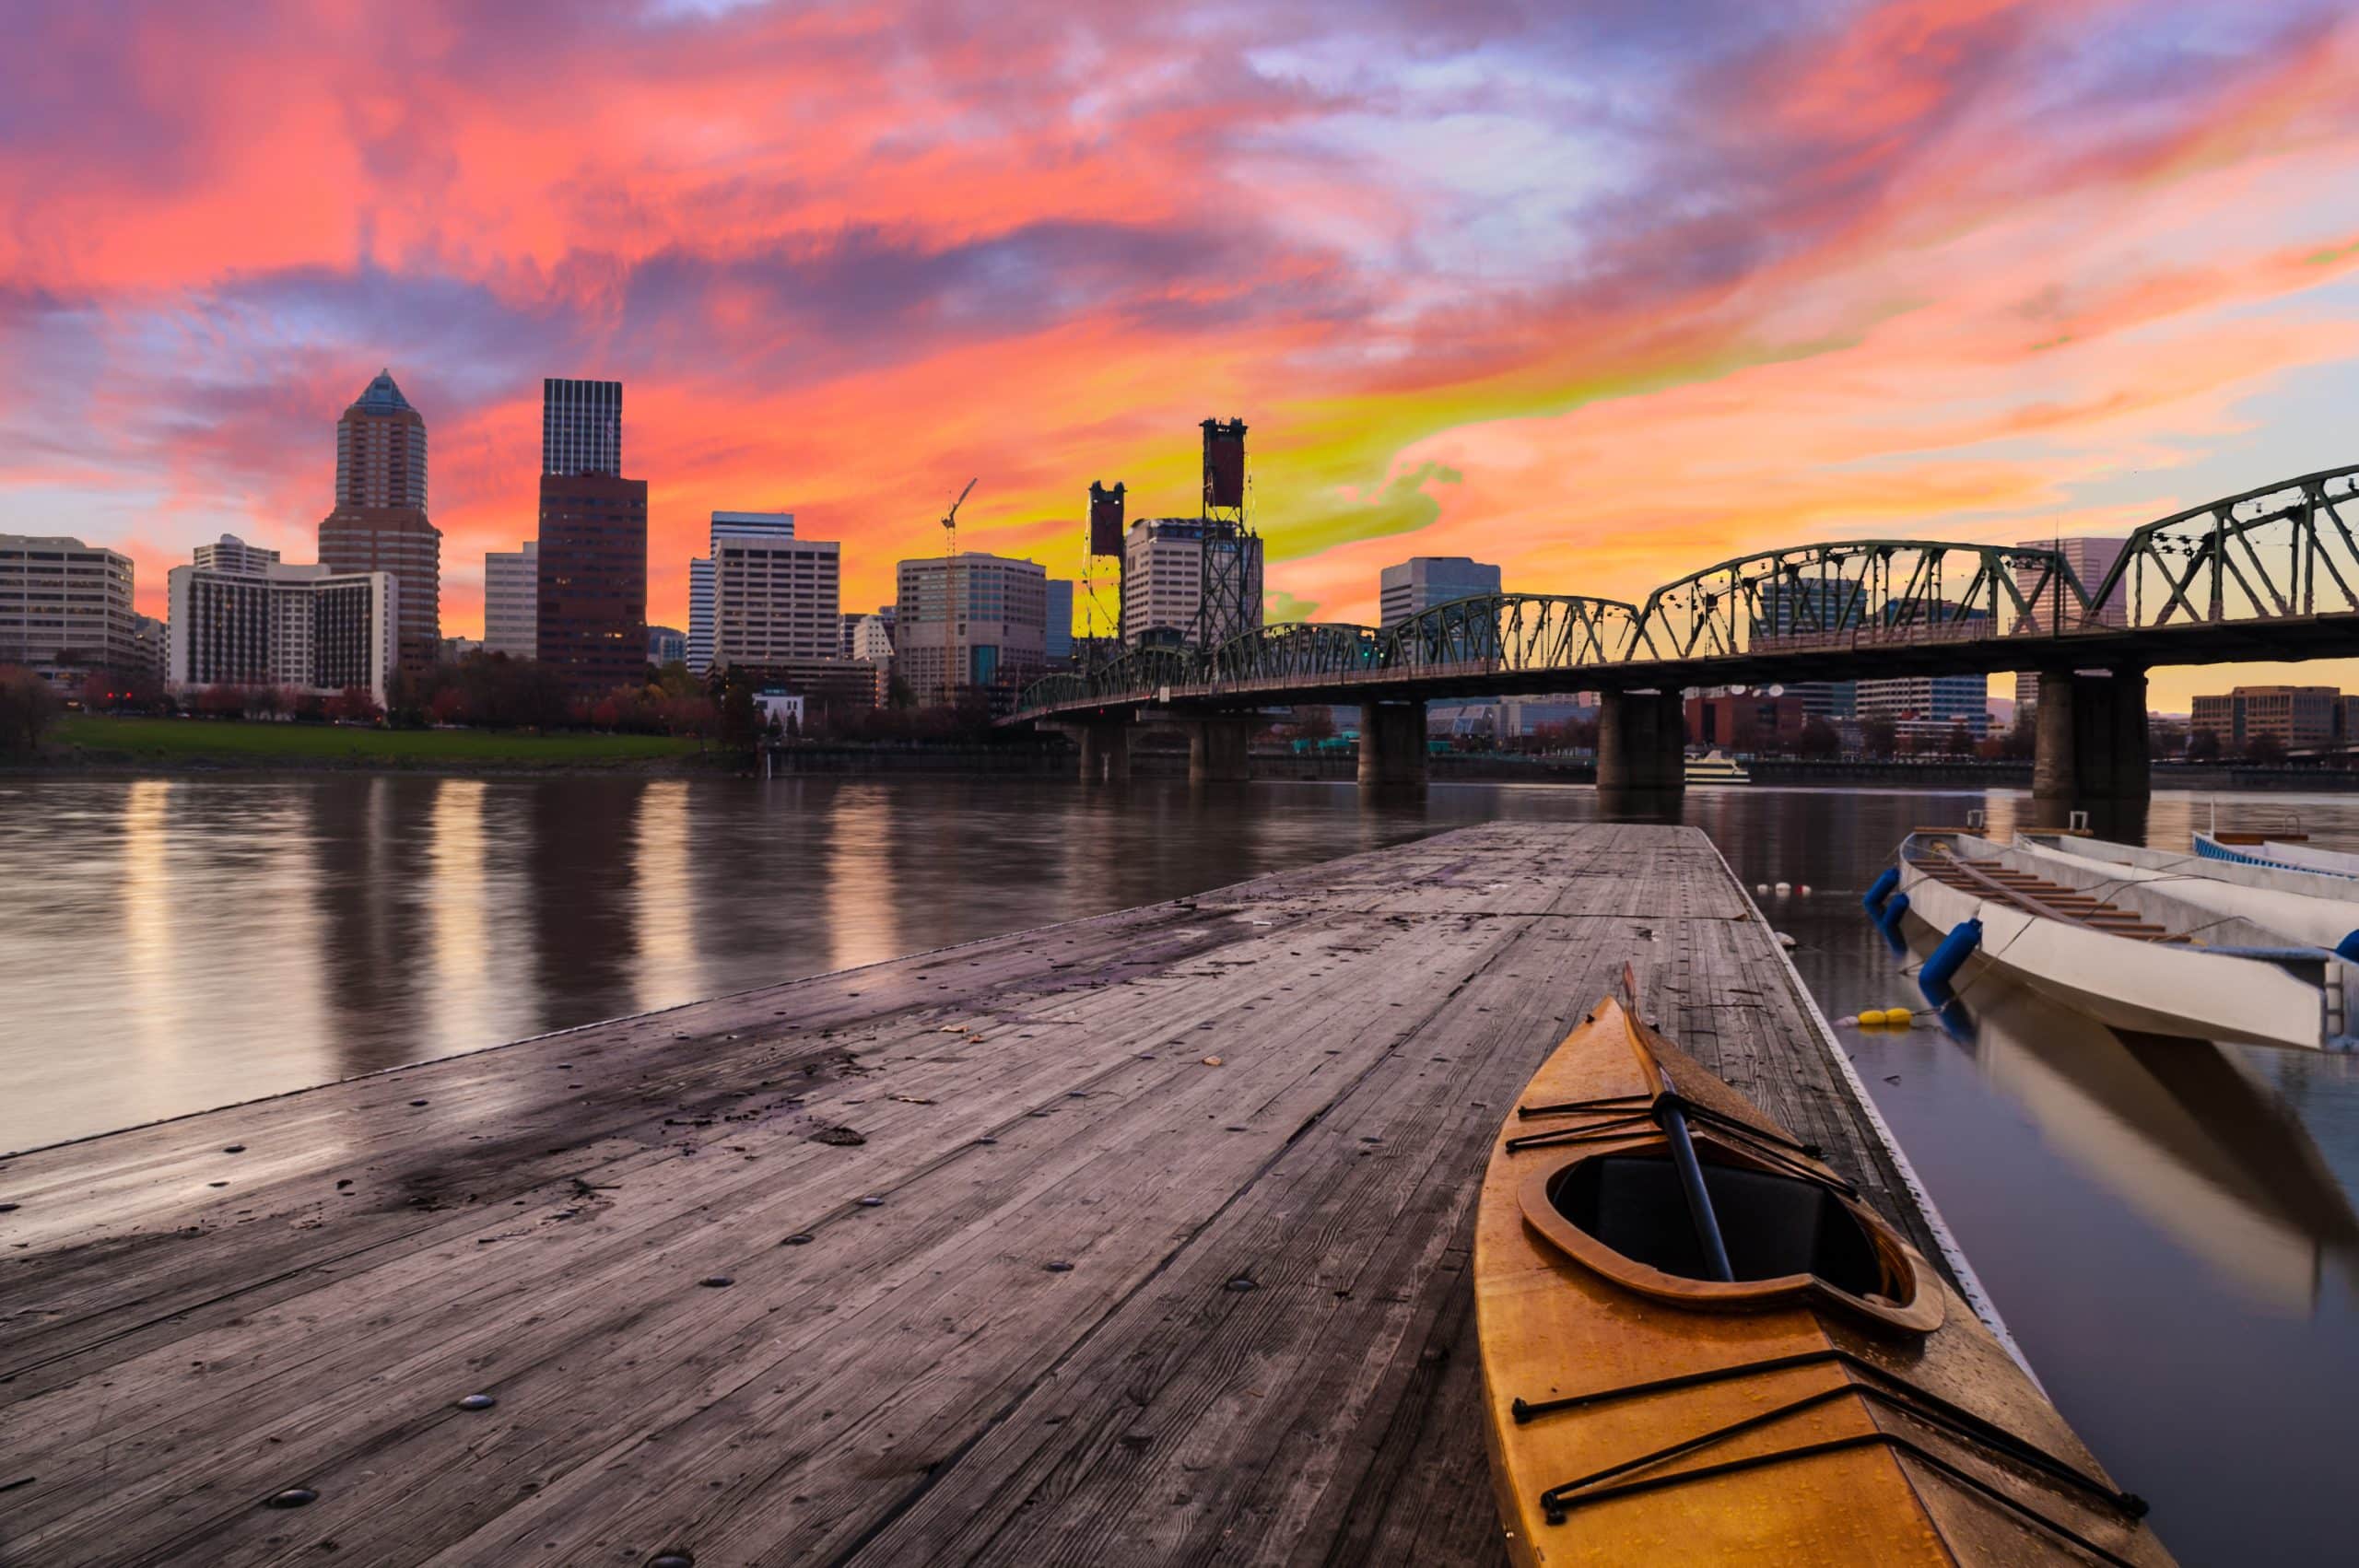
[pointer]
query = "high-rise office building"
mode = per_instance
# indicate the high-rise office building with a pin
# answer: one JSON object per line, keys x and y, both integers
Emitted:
{"x": 1423, "y": 581}
{"x": 1163, "y": 567}
{"x": 1919, "y": 704}
{"x": 699, "y": 614}
{"x": 1804, "y": 611}
{"x": 666, "y": 645}
{"x": 232, "y": 554}
{"x": 590, "y": 621}
{"x": 381, "y": 449}
{"x": 379, "y": 522}
{"x": 65, "y": 608}
{"x": 1058, "y": 645}
{"x": 512, "y": 596}
{"x": 154, "y": 648}
{"x": 1928, "y": 707}
{"x": 2293, "y": 717}
{"x": 737, "y": 524}
{"x": 775, "y": 598}
{"x": 590, "y": 618}
{"x": 582, "y": 427}
{"x": 311, "y": 628}
{"x": 872, "y": 637}
{"x": 998, "y": 640}
{"x": 2091, "y": 558}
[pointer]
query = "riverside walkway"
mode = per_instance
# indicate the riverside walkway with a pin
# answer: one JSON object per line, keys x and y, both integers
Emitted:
{"x": 1141, "y": 1238}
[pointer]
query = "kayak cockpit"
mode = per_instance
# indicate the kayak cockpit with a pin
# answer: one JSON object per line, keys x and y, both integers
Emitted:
{"x": 1776, "y": 1225}
{"x": 1793, "y": 1234}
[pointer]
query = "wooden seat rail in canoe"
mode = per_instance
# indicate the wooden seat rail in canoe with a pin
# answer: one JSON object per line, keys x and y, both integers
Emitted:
{"x": 2037, "y": 895}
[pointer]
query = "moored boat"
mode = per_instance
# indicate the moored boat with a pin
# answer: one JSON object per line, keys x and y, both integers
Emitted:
{"x": 1716, "y": 767}
{"x": 2137, "y": 954}
{"x": 2311, "y": 907}
{"x": 2282, "y": 854}
{"x": 1699, "y": 1346}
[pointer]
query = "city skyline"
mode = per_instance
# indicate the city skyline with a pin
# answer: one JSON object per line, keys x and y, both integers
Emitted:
{"x": 1992, "y": 271}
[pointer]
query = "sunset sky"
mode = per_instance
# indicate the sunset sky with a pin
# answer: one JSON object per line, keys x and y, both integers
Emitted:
{"x": 1603, "y": 292}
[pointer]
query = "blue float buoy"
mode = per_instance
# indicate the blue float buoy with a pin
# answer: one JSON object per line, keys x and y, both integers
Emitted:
{"x": 1881, "y": 889}
{"x": 1934, "y": 979}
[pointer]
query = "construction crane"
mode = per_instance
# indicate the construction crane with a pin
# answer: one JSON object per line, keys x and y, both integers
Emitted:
{"x": 954, "y": 612}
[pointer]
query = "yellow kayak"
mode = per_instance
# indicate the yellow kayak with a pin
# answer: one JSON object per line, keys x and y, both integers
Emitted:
{"x": 1725, "y": 1357}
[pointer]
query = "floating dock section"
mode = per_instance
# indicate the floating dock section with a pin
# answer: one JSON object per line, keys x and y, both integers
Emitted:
{"x": 1141, "y": 1238}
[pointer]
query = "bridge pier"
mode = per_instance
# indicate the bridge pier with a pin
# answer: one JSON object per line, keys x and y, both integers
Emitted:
{"x": 2089, "y": 744}
{"x": 1219, "y": 750}
{"x": 1392, "y": 745}
{"x": 1641, "y": 742}
{"x": 1104, "y": 751}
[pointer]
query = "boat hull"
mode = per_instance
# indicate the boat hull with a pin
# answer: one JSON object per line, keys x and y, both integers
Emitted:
{"x": 2280, "y": 855}
{"x": 2143, "y": 987}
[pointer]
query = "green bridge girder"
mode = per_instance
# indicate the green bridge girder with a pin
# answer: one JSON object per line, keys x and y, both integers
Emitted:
{"x": 2283, "y": 553}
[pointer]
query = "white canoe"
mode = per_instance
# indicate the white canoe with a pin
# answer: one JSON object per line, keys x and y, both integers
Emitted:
{"x": 2301, "y": 906}
{"x": 2279, "y": 855}
{"x": 2127, "y": 952}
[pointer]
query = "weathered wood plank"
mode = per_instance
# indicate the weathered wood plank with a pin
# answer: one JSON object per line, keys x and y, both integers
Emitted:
{"x": 1115, "y": 1304}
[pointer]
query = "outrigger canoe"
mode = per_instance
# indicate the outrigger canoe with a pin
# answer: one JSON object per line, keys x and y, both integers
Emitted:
{"x": 1760, "y": 1371}
{"x": 2143, "y": 953}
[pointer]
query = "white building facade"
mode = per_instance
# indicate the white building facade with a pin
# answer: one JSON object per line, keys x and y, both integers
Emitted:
{"x": 65, "y": 607}
{"x": 1163, "y": 566}
{"x": 699, "y": 614}
{"x": 310, "y": 628}
{"x": 511, "y": 600}
{"x": 775, "y": 598}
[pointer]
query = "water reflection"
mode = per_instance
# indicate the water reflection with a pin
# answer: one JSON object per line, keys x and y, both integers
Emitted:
{"x": 2167, "y": 1228}
{"x": 864, "y": 925}
{"x": 2181, "y": 1130}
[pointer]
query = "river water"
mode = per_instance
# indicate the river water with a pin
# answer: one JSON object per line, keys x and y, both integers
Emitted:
{"x": 2168, "y": 1230}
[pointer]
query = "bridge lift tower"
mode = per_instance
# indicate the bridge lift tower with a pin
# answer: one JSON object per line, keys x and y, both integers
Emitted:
{"x": 1226, "y": 605}
{"x": 1105, "y": 538}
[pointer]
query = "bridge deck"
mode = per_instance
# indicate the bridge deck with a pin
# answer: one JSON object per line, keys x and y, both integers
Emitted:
{"x": 1111, "y": 1303}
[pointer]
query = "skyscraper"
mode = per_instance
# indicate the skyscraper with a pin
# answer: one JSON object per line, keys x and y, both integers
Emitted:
{"x": 590, "y": 619}
{"x": 699, "y": 614}
{"x": 1163, "y": 577}
{"x": 232, "y": 554}
{"x": 2089, "y": 556}
{"x": 379, "y": 522}
{"x": 998, "y": 640}
{"x": 381, "y": 450}
{"x": 1058, "y": 645}
{"x": 582, "y": 427}
{"x": 511, "y": 594}
{"x": 774, "y": 596}
{"x": 65, "y": 607}
{"x": 1423, "y": 581}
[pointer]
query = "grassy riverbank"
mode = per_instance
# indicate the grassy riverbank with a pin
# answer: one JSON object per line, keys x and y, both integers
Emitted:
{"x": 99, "y": 741}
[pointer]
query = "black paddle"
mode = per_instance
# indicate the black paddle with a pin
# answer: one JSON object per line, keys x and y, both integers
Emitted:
{"x": 1683, "y": 1154}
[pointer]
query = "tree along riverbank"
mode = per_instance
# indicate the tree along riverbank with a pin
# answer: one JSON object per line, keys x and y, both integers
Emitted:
{"x": 95, "y": 742}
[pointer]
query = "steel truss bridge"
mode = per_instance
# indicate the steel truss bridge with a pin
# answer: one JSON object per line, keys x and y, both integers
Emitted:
{"x": 2271, "y": 574}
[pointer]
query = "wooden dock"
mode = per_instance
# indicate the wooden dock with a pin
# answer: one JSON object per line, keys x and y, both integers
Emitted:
{"x": 1136, "y": 1240}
